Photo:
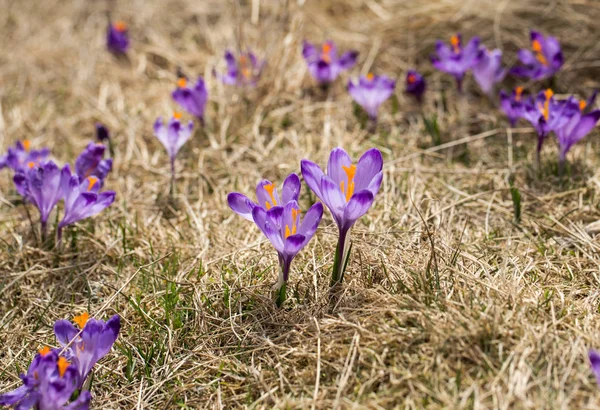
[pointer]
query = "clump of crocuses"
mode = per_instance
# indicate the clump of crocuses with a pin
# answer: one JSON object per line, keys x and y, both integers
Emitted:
{"x": 543, "y": 60}
{"x": 415, "y": 85}
{"x": 192, "y": 98}
{"x": 173, "y": 135}
{"x": 371, "y": 91}
{"x": 18, "y": 157}
{"x": 117, "y": 38}
{"x": 456, "y": 59}
{"x": 243, "y": 70}
{"x": 323, "y": 62}
{"x": 279, "y": 218}
{"x": 348, "y": 190}
{"x": 56, "y": 375}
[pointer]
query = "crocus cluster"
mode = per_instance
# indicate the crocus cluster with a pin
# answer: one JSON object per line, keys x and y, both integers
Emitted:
{"x": 44, "y": 184}
{"x": 56, "y": 375}
{"x": 243, "y": 70}
{"x": 323, "y": 62}
{"x": 348, "y": 190}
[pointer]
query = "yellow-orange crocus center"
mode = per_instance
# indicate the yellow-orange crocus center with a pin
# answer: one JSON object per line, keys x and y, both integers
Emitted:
{"x": 270, "y": 188}
{"x": 27, "y": 145}
{"x": 31, "y": 164}
{"x": 350, "y": 172}
{"x": 91, "y": 182}
{"x": 82, "y": 319}
{"x": 182, "y": 82}
{"x": 455, "y": 42}
{"x": 244, "y": 67}
{"x": 539, "y": 53}
{"x": 582, "y": 105}
{"x": 545, "y": 109}
{"x": 370, "y": 76}
{"x": 326, "y": 52}
{"x": 411, "y": 79}
{"x": 120, "y": 26}
{"x": 44, "y": 350}
{"x": 518, "y": 93}
{"x": 62, "y": 364}
{"x": 177, "y": 115}
{"x": 288, "y": 231}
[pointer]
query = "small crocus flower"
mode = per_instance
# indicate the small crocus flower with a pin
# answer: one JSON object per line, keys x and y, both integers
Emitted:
{"x": 48, "y": 385}
{"x": 542, "y": 61}
{"x": 82, "y": 199}
{"x": 324, "y": 64}
{"x": 488, "y": 71}
{"x": 279, "y": 218}
{"x": 88, "y": 344}
{"x": 455, "y": 59}
{"x": 371, "y": 91}
{"x": 192, "y": 99}
{"x": 41, "y": 185}
{"x": 348, "y": 191}
{"x": 513, "y": 105}
{"x": 21, "y": 154}
{"x": 575, "y": 129}
{"x": 594, "y": 358}
{"x": 102, "y": 133}
{"x": 245, "y": 70}
{"x": 91, "y": 162}
{"x": 173, "y": 136}
{"x": 415, "y": 85}
{"x": 117, "y": 37}
{"x": 267, "y": 196}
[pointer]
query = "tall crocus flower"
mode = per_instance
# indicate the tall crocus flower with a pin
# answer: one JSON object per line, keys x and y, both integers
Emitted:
{"x": 193, "y": 98}
{"x": 91, "y": 162}
{"x": 575, "y": 128}
{"x": 173, "y": 136}
{"x": 21, "y": 154}
{"x": 88, "y": 344}
{"x": 82, "y": 199}
{"x": 324, "y": 64}
{"x": 41, "y": 185}
{"x": 371, "y": 91}
{"x": 594, "y": 358}
{"x": 117, "y": 37}
{"x": 512, "y": 105}
{"x": 542, "y": 61}
{"x": 455, "y": 59}
{"x": 48, "y": 385}
{"x": 348, "y": 191}
{"x": 279, "y": 218}
{"x": 488, "y": 71}
{"x": 415, "y": 85}
{"x": 245, "y": 70}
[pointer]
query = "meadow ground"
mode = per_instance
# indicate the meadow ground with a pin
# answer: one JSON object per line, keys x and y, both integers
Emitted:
{"x": 447, "y": 303}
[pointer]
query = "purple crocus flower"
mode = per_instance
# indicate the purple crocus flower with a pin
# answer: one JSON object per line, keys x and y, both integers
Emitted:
{"x": 117, "y": 37}
{"x": 102, "y": 133}
{"x": 415, "y": 85}
{"x": 41, "y": 185}
{"x": 348, "y": 191}
{"x": 371, "y": 91}
{"x": 279, "y": 219}
{"x": 512, "y": 105}
{"x": 575, "y": 129}
{"x": 267, "y": 196}
{"x": 542, "y": 61}
{"x": 21, "y": 154}
{"x": 88, "y": 344}
{"x": 324, "y": 64}
{"x": 594, "y": 358}
{"x": 91, "y": 162}
{"x": 82, "y": 199}
{"x": 455, "y": 59}
{"x": 48, "y": 385}
{"x": 488, "y": 71}
{"x": 242, "y": 71}
{"x": 192, "y": 99}
{"x": 173, "y": 136}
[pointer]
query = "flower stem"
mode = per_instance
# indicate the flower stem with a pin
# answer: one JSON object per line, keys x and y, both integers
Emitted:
{"x": 341, "y": 258}
{"x": 172, "y": 190}
{"x": 44, "y": 231}
{"x": 285, "y": 272}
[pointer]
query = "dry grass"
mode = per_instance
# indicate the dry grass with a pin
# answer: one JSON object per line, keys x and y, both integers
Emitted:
{"x": 447, "y": 304}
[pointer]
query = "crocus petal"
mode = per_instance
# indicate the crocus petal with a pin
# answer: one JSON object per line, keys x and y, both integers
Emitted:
{"x": 348, "y": 59}
{"x": 338, "y": 159}
{"x": 109, "y": 335}
{"x": 309, "y": 51}
{"x": 265, "y": 224}
{"x": 275, "y": 215}
{"x": 264, "y": 189}
{"x": 369, "y": 165}
{"x": 64, "y": 331}
{"x": 594, "y": 357}
{"x": 312, "y": 175}
{"x": 311, "y": 221}
{"x": 82, "y": 402}
{"x": 333, "y": 198}
{"x": 526, "y": 57}
{"x": 291, "y": 188}
{"x": 241, "y": 205}
{"x": 358, "y": 205}
{"x": 12, "y": 397}
{"x": 585, "y": 125}
{"x": 293, "y": 245}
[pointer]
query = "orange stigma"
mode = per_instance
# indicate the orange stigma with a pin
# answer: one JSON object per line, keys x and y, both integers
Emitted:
{"x": 243, "y": 59}
{"x": 411, "y": 79}
{"x": 350, "y": 172}
{"x": 545, "y": 109}
{"x": 518, "y": 93}
{"x": 27, "y": 145}
{"x": 91, "y": 182}
{"x": 295, "y": 213}
{"x": 270, "y": 188}
{"x": 539, "y": 54}
{"x": 44, "y": 350}
{"x": 62, "y": 364}
{"x": 582, "y": 105}
{"x": 82, "y": 319}
{"x": 548, "y": 93}
{"x": 455, "y": 42}
{"x": 182, "y": 82}
{"x": 370, "y": 76}
{"x": 177, "y": 115}
{"x": 120, "y": 26}
{"x": 31, "y": 164}
{"x": 325, "y": 52}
